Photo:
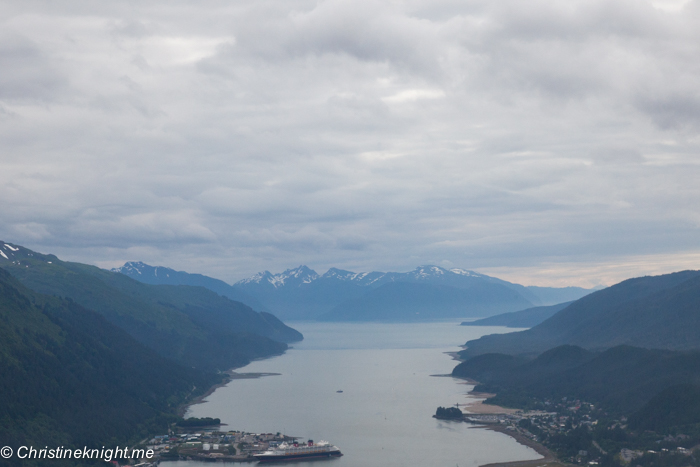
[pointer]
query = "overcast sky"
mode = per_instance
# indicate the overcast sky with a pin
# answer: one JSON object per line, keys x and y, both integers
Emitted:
{"x": 544, "y": 142}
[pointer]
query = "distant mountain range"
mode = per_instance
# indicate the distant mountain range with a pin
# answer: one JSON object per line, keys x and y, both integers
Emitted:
{"x": 428, "y": 292}
{"x": 661, "y": 312}
{"x": 520, "y": 319}
{"x": 191, "y": 325}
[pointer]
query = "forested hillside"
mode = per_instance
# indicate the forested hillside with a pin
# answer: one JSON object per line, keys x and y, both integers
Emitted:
{"x": 191, "y": 325}
{"x": 622, "y": 379}
{"x": 661, "y": 312}
{"x": 69, "y": 377}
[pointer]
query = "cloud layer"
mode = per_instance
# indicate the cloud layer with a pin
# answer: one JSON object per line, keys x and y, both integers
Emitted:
{"x": 527, "y": 138}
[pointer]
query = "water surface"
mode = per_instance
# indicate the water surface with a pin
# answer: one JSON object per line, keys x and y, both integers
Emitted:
{"x": 383, "y": 417}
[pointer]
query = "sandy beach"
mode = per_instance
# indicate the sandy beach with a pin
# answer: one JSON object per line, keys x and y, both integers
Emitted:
{"x": 478, "y": 407}
{"x": 475, "y": 403}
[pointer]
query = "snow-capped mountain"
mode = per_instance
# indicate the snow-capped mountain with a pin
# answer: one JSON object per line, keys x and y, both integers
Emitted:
{"x": 17, "y": 255}
{"x": 301, "y": 293}
{"x": 9, "y": 252}
{"x": 304, "y": 275}
{"x": 428, "y": 291}
{"x": 290, "y": 277}
{"x": 360, "y": 278}
{"x": 138, "y": 268}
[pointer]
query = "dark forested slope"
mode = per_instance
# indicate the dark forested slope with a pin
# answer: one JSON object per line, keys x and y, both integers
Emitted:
{"x": 621, "y": 379}
{"x": 71, "y": 378}
{"x": 192, "y": 325}
{"x": 675, "y": 406}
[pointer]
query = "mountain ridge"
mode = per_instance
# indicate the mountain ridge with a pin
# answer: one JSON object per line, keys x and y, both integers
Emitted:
{"x": 302, "y": 293}
{"x": 651, "y": 311}
{"x": 161, "y": 275}
{"x": 191, "y": 325}
{"x": 526, "y": 318}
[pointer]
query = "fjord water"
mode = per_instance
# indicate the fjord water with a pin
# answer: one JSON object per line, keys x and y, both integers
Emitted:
{"x": 383, "y": 417}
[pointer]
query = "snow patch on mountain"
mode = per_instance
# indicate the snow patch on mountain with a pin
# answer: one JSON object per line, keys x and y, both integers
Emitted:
{"x": 464, "y": 272}
{"x": 277, "y": 281}
{"x": 10, "y": 247}
{"x": 4, "y": 255}
{"x": 424, "y": 272}
{"x": 257, "y": 278}
{"x": 131, "y": 266}
{"x": 334, "y": 273}
{"x": 302, "y": 273}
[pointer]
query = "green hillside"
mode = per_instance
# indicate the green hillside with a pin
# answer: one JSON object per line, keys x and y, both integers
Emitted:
{"x": 71, "y": 378}
{"x": 191, "y": 325}
{"x": 621, "y": 379}
{"x": 653, "y": 312}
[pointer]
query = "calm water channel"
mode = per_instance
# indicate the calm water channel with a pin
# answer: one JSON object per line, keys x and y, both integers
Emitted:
{"x": 383, "y": 417}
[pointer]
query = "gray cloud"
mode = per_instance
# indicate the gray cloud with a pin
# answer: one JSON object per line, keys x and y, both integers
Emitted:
{"x": 229, "y": 138}
{"x": 28, "y": 73}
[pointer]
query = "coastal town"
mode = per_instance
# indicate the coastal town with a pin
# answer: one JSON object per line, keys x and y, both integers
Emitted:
{"x": 212, "y": 444}
{"x": 574, "y": 432}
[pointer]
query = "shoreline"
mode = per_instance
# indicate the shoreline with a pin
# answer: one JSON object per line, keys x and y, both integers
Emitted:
{"x": 476, "y": 406}
{"x": 548, "y": 458}
{"x": 231, "y": 375}
{"x": 475, "y": 401}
